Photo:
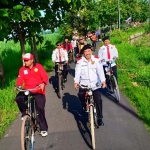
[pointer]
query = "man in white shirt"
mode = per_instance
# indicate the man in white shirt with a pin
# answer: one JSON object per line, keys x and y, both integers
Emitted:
{"x": 108, "y": 52}
{"x": 61, "y": 56}
{"x": 89, "y": 72}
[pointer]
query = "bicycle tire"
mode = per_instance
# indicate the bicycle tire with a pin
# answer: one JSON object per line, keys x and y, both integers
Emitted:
{"x": 59, "y": 87}
{"x": 92, "y": 127}
{"x": 116, "y": 89}
{"x": 27, "y": 139}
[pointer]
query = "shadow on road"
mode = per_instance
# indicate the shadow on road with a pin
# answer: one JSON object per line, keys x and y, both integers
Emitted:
{"x": 110, "y": 97}
{"x": 71, "y": 72}
{"x": 73, "y": 105}
{"x": 52, "y": 80}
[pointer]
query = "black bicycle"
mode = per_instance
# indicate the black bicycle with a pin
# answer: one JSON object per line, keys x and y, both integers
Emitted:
{"x": 60, "y": 79}
{"x": 30, "y": 122}
{"x": 111, "y": 81}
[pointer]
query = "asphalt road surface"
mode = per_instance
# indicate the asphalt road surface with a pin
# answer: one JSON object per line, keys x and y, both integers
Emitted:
{"x": 68, "y": 129}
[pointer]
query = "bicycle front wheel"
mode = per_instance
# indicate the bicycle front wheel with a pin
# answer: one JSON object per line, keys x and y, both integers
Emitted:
{"x": 27, "y": 139}
{"x": 92, "y": 127}
{"x": 116, "y": 89}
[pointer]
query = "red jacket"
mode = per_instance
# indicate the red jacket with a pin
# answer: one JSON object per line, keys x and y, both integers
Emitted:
{"x": 30, "y": 78}
{"x": 67, "y": 46}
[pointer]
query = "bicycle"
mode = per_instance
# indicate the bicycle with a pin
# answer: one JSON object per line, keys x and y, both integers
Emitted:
{"x": 60, "y": 80}
{"x": 111, "y": 81}
{"x": 30, "y": 123}
{"x": 91, "y": 108}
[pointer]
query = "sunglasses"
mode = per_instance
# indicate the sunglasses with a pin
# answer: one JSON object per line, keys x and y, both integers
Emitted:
{"x": 80, "y": 39}
{"x": 59, "y": 45}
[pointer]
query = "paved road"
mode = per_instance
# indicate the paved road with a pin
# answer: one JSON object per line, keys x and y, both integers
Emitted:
{"x": 68, "y": 130}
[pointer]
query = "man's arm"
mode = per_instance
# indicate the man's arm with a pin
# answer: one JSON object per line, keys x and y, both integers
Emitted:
{"x": 100, "y": 72}
{"x": 116, "y": 52}
{"x": 54, "y": 56}
{"x": 43, "y": 74}
{"x": 66, "y": 56}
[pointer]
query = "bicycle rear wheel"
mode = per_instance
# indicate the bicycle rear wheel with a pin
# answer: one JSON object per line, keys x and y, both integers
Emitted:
{"x": 115, "y": 88}
{"x": 59, "y": 86}
{"x": 92, "y": 127}
{"x": 27, "y": 138}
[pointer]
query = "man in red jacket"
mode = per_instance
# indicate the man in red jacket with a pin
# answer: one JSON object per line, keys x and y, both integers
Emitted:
{"x": 31, "y": 75}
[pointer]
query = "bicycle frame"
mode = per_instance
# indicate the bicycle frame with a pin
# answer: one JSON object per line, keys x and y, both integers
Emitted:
{"x": 60, "y": 78}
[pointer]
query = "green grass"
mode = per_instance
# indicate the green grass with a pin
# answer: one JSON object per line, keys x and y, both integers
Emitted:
{"x": 134, "y": 73}
{"x": 11, "y": 59}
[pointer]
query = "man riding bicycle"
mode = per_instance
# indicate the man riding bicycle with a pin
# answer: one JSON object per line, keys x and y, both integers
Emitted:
{"x": 30, "y": 76}
{"x": 60, "y": 55}
{"x": 108, "y": 52}
{"x": 89, "y": 72}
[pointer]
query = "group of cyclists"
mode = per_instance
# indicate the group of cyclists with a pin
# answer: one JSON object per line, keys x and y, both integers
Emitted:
{"x": 89, "y": 71}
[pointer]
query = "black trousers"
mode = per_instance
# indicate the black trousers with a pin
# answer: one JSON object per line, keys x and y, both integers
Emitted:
{"x": 40, "y": 102}
{"x": 64, "y": 72}
{"x": 97, "y": 99}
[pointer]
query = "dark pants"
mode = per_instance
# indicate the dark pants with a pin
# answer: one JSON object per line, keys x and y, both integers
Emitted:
{"x": 97, "y": 99}
{"x": 114, "y": 69}
{"x": 40, "y": 102}
{"x": 64, "y": 72}
{"x": 94, "y": 45}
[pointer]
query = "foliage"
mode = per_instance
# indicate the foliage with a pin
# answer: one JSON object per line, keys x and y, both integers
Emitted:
{"x": 133, "y": 71}
{"x": 92, "y": 14}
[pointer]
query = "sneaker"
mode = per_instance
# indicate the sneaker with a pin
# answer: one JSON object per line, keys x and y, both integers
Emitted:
{"x": 44, "y": 133}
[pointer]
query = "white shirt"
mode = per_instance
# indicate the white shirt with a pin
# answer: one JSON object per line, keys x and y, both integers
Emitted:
{"x": 102, "y": 53}
{"x": 59, "y": 55}
{"x": 89, "y": 73}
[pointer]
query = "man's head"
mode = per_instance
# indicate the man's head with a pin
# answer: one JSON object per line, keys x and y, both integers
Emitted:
{"x": 28, "y": 59}
{"x": 58, "y": 44}
{"x": 66, "y": 39}
{"x": 106, "y": 40}
{"x": 87, "y": 51}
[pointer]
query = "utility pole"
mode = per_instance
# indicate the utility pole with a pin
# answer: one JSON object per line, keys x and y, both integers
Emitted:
{"x": 119, "y": 14}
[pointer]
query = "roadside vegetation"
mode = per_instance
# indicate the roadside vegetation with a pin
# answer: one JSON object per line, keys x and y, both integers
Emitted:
{"x": 11, "y": 63}
{"x": 134, "y": 70}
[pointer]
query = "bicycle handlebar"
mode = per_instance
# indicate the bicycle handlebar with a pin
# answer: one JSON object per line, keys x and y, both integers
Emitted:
{"x": 26, "y": 91}
{"x": 88, "y": 87}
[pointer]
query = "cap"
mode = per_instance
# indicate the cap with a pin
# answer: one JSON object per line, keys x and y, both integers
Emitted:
{"x": 87, "y": 46}
{"x": 106, "y": 38}
{"x": 27, "y": 56}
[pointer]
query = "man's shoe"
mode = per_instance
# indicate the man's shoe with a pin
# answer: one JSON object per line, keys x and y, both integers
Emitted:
{"x": 44, "y": 133}
{"x": 100, "y": 122}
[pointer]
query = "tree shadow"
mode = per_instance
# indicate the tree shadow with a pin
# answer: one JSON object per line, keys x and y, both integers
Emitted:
{"x": 73, "y": 105}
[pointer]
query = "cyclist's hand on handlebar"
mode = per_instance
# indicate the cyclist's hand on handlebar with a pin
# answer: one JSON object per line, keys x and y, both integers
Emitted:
{"x": 15, "y": 88}
{"x": 76, "y": 85}
{"x": 42, "y": 86}
{"x": 103, "y": 84}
